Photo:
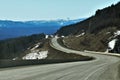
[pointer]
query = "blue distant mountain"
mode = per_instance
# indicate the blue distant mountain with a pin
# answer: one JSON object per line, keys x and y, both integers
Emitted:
{"x": 12, "y": 29}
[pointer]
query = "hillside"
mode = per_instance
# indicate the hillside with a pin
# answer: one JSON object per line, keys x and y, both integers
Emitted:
{"x": 34, "y": 47}
{"x": 107, "y": 17}
{"x": 99, "y": 32}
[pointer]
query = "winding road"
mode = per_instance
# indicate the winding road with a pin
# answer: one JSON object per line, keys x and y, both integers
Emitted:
{"x": 104, "y": 67}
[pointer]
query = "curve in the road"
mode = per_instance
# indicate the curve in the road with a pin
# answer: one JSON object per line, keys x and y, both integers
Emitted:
{"x": 105, "y": 59}
{"x": 104, "y": 67}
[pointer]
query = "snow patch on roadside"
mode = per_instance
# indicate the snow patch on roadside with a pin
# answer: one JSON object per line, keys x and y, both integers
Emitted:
{"x": 56, "y": 36}
{"x": 62, "y": 36}
{"x": 80, "y": 34}
{"x": 15, "y": 58}
{"x": 46, "y": 36}
{"x": 116, "y": 33}
{"x": 111, "y": 44}
{"x": 36, "y": 46}
{"x": 36, "y": 55}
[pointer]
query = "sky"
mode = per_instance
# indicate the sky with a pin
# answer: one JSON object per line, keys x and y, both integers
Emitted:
{"x": 25, "y": 10}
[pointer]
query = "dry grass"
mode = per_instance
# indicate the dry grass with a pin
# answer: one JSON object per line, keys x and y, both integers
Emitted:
{"x": 92, "y": 42}
{"x": 55, "y": 54}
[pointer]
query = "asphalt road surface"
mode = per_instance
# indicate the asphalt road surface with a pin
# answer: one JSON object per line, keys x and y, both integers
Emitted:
{"x": 104, "y": 67}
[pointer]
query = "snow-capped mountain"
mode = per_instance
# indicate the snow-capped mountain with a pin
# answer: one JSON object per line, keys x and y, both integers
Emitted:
{"x": 12, "y": 29}
{"x": 59, "y": 22}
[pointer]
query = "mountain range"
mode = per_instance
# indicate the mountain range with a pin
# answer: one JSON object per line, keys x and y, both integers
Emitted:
{"x": 12, "y": 29}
